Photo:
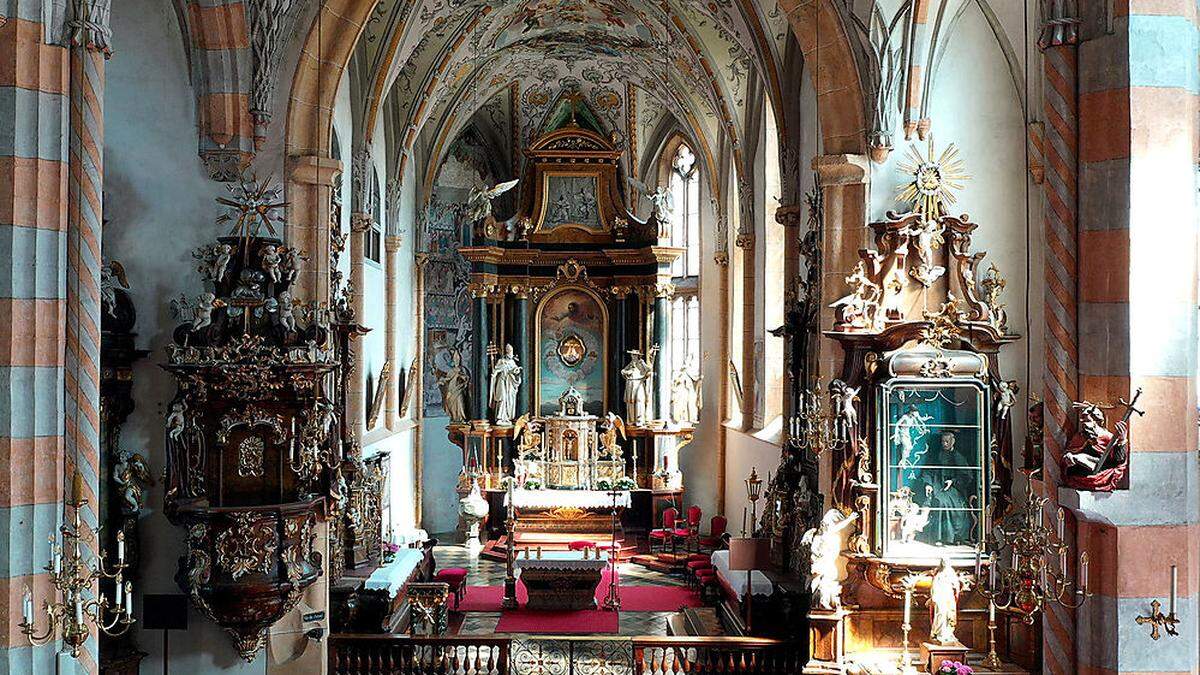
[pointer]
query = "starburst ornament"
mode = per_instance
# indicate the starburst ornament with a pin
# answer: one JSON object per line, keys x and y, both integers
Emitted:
{"x": 254, "y": 205}
{"x": 934, "y": 181}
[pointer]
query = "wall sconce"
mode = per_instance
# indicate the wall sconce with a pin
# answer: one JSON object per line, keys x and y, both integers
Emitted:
{"x": 1157, "y": 619}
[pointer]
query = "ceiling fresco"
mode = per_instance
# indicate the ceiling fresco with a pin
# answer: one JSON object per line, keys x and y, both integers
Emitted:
{"x": 443, "y": 61}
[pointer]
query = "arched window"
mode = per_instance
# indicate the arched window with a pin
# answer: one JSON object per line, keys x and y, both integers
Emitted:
{"x": 685, "y": 214}
{"x": 683, "y": 181}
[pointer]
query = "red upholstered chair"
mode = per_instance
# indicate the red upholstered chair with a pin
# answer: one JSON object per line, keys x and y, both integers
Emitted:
{"x": 580, "y": 545}
{"x": 667, "y": 531}
{"x": 689, "y": 530}
{"x": 697, "y": 562}
{"x": 456, "y": 579}
{"x": 716, "y": 530}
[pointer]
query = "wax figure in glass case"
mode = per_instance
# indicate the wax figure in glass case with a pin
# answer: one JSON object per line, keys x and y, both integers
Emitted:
{"x": 935, "y": 482}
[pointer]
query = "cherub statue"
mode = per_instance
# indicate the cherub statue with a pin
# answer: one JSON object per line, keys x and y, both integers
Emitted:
{"x": 270, "y": 263}
{"x": 1006, "y": 397}
{"x": 824, "y": 543}
{"x": 289, "y": 264}
{"x": 479, "y": 204}
{"x": 928, "y": 236}
{"x": 858, "y": 309}
{"x": 132, "y": 477}
{"x": 912, "y": 517}
{"x": 176, "y": 421}
{"x": 287, "y": 312}
{"x": 992, "y": 286}
{"x": 204, "y": 311}
{"x": 842, "y": 398}
{"x": 222, "y": 253}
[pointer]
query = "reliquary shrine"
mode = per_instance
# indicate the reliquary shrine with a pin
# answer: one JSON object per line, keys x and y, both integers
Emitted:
{"x": 922, "y": 433}
{"x": 564, "y": 391}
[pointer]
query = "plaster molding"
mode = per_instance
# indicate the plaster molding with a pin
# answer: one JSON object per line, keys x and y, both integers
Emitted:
{"x": 270, "y": 26}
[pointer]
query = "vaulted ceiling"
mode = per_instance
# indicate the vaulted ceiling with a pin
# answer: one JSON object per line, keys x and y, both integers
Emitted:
{"x": 438, "y": 64}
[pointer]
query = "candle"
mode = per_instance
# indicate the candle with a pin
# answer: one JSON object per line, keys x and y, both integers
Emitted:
{"x": 1083, "y": 567}
{"x": 78, "y": 611}
{"x": 1061, "y": 523}
{"x": 120, "y": 593}
{"x": 991, "y": 612}
{"x": 907, "y": 606}
{"x": 992, "y": 571}
{"x": 27, "y": 606}
{"x": 57, "y": 560}
{"x": 121, "y": 546}
{"x": 1174, "y": 586}
{"x": 128, "y": 598}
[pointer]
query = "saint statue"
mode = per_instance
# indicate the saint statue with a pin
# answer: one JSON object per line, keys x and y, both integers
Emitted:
{"x": 824, "y": 543}
{"x": 1096, "y": 458}
{"x": 506, "y": 380}
{"x": 639, "y": 386}
{"x": 943, "y": 604}
{"x": 950, "y": 514}
{"x": 454, "y": 384}
{"x": 685, "y": 395}
{"x": 909, "y": 429}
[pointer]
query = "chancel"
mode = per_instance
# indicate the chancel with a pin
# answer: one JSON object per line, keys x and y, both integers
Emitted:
{"x": 375, "y": 337}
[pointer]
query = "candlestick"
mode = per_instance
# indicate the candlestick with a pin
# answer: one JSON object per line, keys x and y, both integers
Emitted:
{"x": 128, "y": 598}
{"x": 1174, "y": 586}
{"x": 992, "y": 571}
{"x": 27, "y": 606}
{"x": 78, "y": 611}
{"x": 120, "y": 593}
{"x": 1083, "y": 572}
{"x": 743, "y": 521}
{"x": 1061, "y": 523}
{"x": 120, "y": 546}
{"x": 908, "y": 606}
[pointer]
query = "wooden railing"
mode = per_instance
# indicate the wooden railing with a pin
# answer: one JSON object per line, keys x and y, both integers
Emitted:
{"x": 524, "y": 655}
{"x": 403, "y": 655}
{"x": 672, "y": 655}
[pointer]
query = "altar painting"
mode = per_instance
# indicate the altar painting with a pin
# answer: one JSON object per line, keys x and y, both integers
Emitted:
{"x": 571, "y": 332}
{"x": 571, "y": 200}
{"x": 935, "y": 470}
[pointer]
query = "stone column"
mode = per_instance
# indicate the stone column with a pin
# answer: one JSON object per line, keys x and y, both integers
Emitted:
{"x": 313, "y": 209}
{"x": 843, "y": 180}
{"x": 360, "y": 225}
{"x": 480, "y": 339}
{"x": 391, "y": 246}
{"x": 660, "y": 337}
{"x": 522, "y": 343}
{"x": 1137, "y": 251}
{"x": 616, "y": 384}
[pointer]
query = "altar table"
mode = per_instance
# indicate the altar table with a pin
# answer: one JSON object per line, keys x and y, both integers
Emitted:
{"x": 560, "y": 580}
{"x": 579, "y": 499}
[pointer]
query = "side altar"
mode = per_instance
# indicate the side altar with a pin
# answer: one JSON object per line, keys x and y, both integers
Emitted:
{"x": 560, "y": 386}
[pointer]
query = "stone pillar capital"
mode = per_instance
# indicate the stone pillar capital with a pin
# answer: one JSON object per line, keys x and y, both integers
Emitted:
{"x": 790, "y": 216}
{"x": 844, "y": 169}
{"x": 315, "y": 170}
{"x": 361, "y": 222}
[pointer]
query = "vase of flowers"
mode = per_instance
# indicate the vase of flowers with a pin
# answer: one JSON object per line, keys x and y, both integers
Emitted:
{"x": 955, "y": 668}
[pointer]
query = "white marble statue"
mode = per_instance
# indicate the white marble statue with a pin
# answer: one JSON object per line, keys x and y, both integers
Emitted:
{"x": 176, "y": 421}
{"x": 685, "y": 395}
{"x": 639, "y": 386}
{"x": 220, "y": 262}
{"x": 825, "y": 546}
{"x": 287, "y": 312}
{"x": 454, "y": 385}
{"x": 479, "y": 203}
{"x": 204, "y": 311}
{"x": 1006, "y": 397}
{"x": 506, "y": 380}
{"x": 908, "y": 429}
{"x": 270, "y": 263}
{"x": 912, "y": 517}
{"x": 927, "y": 236}
{"x": 943, "y": 604}
{"x": 842, "y": 398}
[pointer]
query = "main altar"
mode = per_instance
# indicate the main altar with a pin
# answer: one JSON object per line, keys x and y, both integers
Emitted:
{"x": 560, "y": 387}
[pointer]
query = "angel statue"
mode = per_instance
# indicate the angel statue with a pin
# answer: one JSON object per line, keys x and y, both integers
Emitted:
{"x": 912, "y": 517}
{"x": 611, "y": 427}
{"x": 527, "y": 464}
{"x": 112, "y": 277}
{"x": 842, "y": 398}
{"x": 132, "y": 477}
{"x": 479, "y": 204}
{"x": 660, "y": 198}
{"x": 928, "y": 236}
{"x": 859, "y": 307}
{"x": 1006, "y": 397}
{"x": 824, "y": 544}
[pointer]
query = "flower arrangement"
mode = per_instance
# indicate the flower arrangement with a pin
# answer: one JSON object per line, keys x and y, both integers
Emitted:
{"x": 533, "y": 484}
{"x": 955, "y": 668}
{"x": 604, "y": 484}
{"x": 626, "y": 483}
{"x": 390, "y": 550}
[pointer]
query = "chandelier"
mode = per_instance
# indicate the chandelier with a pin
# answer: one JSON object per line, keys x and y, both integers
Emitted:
{"x": 73, "y": 578}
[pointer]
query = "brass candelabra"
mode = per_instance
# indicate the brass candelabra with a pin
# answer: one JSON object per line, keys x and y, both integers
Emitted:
{"x": 1027, "y": 584}
{"x": 510, "y": 555}
{"x": 812, "y": 426}
{"x": 612, "y": 600}
{"x": 73, "y": 579}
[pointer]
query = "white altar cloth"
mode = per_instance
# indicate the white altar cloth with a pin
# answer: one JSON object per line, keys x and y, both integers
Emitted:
{"x": 580, "y": 499}
{"x": 394, "y": 575}
{"x": 759, "y": 583}
{"x": 558, "y": 560}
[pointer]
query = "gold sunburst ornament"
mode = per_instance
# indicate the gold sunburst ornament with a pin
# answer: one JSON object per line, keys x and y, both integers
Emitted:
{"x": 934, "y": 181}
{"x": 254, "y": 205}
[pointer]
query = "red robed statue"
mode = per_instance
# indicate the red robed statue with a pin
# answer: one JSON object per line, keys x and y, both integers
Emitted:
{"x": 1097, "y": 459}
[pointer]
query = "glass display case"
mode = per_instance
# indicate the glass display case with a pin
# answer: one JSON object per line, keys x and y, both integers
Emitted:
{"x": 933, "y": 448}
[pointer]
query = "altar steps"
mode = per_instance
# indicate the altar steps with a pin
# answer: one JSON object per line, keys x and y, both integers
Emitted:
{"x": 497, "y": 549}
{"x": 668, "y": 563}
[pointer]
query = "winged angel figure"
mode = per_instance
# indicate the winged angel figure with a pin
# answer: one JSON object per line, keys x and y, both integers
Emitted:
{"x": 660, "y": 198}
{"x": 479, "y": 204}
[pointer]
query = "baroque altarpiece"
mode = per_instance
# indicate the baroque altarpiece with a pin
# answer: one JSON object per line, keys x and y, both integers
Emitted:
{"x": 570, "y": 308}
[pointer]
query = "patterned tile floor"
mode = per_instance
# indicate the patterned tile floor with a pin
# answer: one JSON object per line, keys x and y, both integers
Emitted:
{"x": 481, "y": 572}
